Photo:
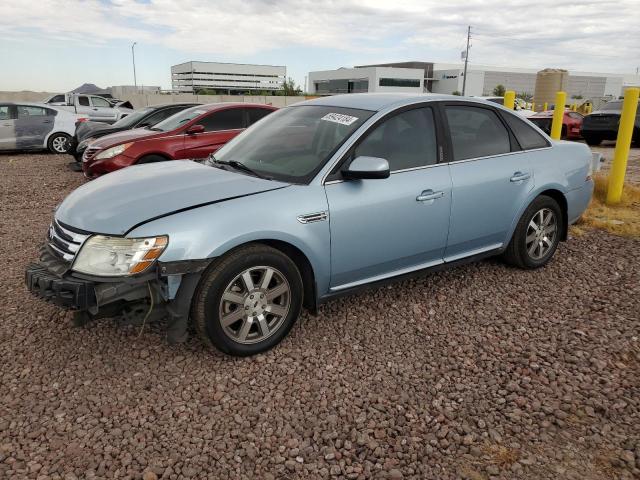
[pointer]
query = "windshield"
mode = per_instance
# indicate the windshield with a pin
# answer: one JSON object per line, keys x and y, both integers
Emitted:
{"x": 133, "y": 118}
{"x": 178, "y": 119}
{"x": 294, "y": 143}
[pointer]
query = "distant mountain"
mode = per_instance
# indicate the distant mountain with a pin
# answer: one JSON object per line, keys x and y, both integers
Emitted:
{"x": 87, "y": 88}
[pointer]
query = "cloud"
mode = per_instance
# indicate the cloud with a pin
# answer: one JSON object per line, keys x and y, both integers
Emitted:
{"x": 590, "y": 34}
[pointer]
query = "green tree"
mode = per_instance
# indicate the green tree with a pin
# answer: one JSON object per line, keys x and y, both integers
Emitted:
{"x": 290, "y": 88}
{"x": 526, "y": 96}
{"x": 499, "y": 90}
{"x": 457, "y": 92}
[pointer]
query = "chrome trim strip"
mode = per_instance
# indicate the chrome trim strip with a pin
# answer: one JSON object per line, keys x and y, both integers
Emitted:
{"x": 64, "y": 255}
{"x": 471, "y": 253}
{"x": 395, "y": 273}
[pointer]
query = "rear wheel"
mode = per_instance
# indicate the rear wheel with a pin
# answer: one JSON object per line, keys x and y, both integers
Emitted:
{"x": 59, "y": 143}
{"x": 247, "y": 302}
{"x": 592, "y": 140}
{"x": 152, "y": 159}
{"x": 537, "y": 235}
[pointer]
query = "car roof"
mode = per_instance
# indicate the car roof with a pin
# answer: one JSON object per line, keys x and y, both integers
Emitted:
{"x": 383, "y": 101}
{"x": 178, "y": 104}
{"x": 30, "y": 104}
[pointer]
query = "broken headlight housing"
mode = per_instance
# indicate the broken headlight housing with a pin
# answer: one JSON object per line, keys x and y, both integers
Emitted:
{"x": 116, "y": 256}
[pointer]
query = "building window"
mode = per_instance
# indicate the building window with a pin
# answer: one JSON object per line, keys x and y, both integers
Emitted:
{"x": 399, "y": 82}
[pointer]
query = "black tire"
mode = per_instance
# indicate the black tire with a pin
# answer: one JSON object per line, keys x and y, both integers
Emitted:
{"x": 152, "y": 159}
{"x": 563, "y": 132}
{"x": 517, "y": 253}
{"x": 55, "y": 140}
{"x": 208, "y": 302}
{"x": 592, "y": 140}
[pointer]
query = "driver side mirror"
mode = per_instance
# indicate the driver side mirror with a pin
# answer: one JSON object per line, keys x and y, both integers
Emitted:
{"x": 367, "y": 168}
{"x": 193, "y": 129}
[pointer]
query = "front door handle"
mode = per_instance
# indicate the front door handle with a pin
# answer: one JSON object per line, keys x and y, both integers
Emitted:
{"x": 427, "y": 195}
{"x": 520, "y": 177}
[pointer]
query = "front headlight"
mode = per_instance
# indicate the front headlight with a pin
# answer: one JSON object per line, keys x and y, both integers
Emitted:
{"x": 85, "y": 143}
{"x": 113, "y": 151}
{"x": 115, "y": 256}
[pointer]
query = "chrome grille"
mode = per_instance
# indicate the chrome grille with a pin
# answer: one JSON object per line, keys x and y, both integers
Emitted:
{"x": 89, "y": 153}
{"x": 64, "y": 242}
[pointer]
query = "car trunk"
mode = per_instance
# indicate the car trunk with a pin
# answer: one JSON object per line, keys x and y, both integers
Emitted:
{"x": 601, "y": 121}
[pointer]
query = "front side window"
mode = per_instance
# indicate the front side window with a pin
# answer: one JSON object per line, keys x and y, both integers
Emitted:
{"x": 133, "y": 118}
{"x": 294, "y": 143}
{"x": 476, "y": 132}
{"x": 230, "y": 119}
{"x": 100, "y": 102}
{"x": 406, "y": 140}
{"x": 527, "y": 137}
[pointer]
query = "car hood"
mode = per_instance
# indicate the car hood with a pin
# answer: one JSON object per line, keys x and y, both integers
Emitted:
{"x": 125, "y": 136}
{"x": 88, "y": 129}
{"x": 115, "y": 203}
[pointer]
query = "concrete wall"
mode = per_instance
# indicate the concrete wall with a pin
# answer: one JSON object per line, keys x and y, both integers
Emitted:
{"x": 144, "y": 100}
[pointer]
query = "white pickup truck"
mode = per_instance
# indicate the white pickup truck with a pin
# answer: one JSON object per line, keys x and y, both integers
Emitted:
{"x": 94, "y": 107}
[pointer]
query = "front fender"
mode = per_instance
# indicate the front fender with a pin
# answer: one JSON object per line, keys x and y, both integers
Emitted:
{"x": 213, "y": 230}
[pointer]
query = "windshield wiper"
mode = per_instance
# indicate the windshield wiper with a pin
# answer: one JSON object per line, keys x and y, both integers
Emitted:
{"x": 238, "y": 166}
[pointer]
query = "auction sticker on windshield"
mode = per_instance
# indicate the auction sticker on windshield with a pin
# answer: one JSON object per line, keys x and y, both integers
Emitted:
{"x": 339, "y": 118}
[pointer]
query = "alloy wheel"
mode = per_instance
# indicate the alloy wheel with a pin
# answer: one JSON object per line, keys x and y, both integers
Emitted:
{"x": 59, "y": 144}
{"x": 541, "y": 233}
{"x": 255, "y": 304}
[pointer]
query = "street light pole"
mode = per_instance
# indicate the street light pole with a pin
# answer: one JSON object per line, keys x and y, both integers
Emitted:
{"x": 133, "y": 56}
{"x": 466, "y": 61}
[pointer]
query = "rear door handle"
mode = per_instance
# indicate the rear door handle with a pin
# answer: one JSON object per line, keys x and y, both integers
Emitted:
{"x": 427, "y": 195}
{"x": 520, "y": 177}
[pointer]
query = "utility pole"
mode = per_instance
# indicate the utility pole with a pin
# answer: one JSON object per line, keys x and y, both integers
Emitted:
{"x": 133, "y": 56}
{"x": 466, "y": 61}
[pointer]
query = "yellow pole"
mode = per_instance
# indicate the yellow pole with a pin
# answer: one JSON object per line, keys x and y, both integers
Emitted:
{"x": 558, "y": 115}
{"x": 545, "y": 107}
{"x": 621, "y": 154}
{"x": 510, "y": 99}
{"x": 533, "y": 105}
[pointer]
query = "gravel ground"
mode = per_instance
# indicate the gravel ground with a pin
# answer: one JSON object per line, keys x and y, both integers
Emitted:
{"x": 633, "y": 163}
{"x": 480, "y": 372}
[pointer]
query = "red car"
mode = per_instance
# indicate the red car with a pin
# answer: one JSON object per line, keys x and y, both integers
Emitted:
{"x": 192, "y": 133}
{"x": 571, "y": 123}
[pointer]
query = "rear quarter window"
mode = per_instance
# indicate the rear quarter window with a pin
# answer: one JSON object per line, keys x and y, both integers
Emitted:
{"x": 527, "y": 136}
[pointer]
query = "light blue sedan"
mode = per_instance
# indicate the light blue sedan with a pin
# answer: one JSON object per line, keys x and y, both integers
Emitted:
{"x": 314, "y": 201}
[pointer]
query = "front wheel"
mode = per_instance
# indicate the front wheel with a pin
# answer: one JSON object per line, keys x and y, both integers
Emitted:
{"x": 59, "y": 143}
{"x": 537, "y": 235}
{"x": 248, "y": 301}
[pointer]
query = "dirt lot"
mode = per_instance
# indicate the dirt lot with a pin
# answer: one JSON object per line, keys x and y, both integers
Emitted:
{"x": 480, "y": 372}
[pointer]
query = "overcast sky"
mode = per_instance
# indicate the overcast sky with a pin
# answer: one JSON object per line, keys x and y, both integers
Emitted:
{"x": 56, "y": 45}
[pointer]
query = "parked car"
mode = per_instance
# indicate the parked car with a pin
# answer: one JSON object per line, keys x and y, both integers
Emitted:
{"x": 519, "y": 105}
{"x": 87, "y": 132}
{"x": 94, "y": 107}
{"x": 317, "y": 200}
{"x": 31, "y": 126}
{"x": 571, "y": 123}
{"x": 603, "y": 124}
{"x": 191, "y": 134}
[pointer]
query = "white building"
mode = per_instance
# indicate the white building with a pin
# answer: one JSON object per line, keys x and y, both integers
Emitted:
{"x": 448, "y": 78}
{"x": 227, "y": 78}
{"x": 365, "y": 79}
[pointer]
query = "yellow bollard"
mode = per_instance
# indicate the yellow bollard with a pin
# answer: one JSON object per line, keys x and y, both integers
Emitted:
{"x": 533, "y": 105}
{"x": 510, "y": 99}
{"x": 620, "y": 156}
{"x": 558, "y": 115}
{"x": 545, "y": 107}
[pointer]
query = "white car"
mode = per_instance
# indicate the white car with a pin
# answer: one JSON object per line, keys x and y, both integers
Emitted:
{"x": 94, "y": 107}
{"x": 32, "y": 126}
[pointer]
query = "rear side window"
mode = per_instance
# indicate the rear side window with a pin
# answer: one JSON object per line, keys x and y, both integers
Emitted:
{"x": 28, "y": 111}
{"x": 160, "y": 115}
{"x": 527, "y": 137}
{"x": 406, "y": 140}
{"x": 84, "y": 101}
{"x": 4, "y": 112}
{"x": 476, "y": 132}
{"x": 230, "y": 119}
{"x": 256, "y": 114}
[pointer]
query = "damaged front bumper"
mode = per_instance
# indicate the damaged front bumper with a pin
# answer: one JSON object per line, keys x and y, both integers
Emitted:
{"x": 165, "y": 292}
